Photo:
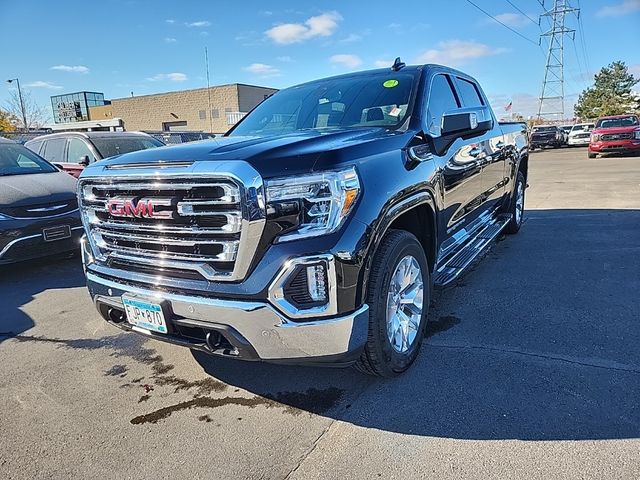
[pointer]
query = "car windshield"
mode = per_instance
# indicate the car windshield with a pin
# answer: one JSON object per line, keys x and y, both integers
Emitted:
{"x": 630, "y": 121}
{"x": 18, "y": 160}
{"x": 374, "y": 100}
{"x": 110, "y": 146}
{"x": 544, "y": 129}
{"x": 582, "y": 128}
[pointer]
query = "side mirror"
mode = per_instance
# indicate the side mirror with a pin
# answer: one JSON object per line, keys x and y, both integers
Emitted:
{"x": 462, "y": 123}
{"x": 84, "y": 160}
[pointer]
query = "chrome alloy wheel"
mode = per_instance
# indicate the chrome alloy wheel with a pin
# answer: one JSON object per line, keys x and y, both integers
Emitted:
{"x": 519, "y": 202}
{"x": 404, "y": 304}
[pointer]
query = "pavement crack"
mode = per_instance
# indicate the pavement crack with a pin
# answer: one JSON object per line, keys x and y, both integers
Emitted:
{"x": 584, "y": 362}
{"x": 310, "y": 450}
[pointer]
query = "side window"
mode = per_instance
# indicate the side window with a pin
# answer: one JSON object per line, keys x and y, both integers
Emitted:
{"x": 78, "y": 149}
{"x": 469, "y": 93}
{"x": 54, "y": 149}
{"x": 34, "y": 146}
{"x": 441, "y": 99}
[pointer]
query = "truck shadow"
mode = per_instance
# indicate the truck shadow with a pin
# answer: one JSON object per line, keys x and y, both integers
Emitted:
{"x": 540, "y": 341}
{"x": 20, "y": 282}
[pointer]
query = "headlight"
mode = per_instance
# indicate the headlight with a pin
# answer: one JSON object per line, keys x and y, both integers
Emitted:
{"x": 324, "y": 199}
{"x": 636, "y": 134}
{"x": 595, "y": 138}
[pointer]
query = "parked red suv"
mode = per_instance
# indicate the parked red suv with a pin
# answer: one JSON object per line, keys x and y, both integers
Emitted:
{"x": 615, "y": 134}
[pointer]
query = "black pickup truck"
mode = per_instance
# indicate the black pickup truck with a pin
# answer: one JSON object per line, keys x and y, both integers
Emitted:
{"x": 315, "y": 230}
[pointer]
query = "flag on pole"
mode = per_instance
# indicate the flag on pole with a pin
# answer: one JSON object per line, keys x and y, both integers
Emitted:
{"x": 507, "y": 107}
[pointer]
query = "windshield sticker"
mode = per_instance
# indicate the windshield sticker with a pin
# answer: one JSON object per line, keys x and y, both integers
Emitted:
{"x": 395, "y": 111}
{"x": 390, "y": 83}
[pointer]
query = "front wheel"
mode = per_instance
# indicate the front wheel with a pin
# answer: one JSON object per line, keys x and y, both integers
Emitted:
{"x": 590, "y": 154}
{"x": 398, "y": 298}
{"x": 516, "y": 207}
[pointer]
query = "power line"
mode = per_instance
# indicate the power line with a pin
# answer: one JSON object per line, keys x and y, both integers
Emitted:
{"x": 501, "y": 23}
{"x": 518, "y": 9}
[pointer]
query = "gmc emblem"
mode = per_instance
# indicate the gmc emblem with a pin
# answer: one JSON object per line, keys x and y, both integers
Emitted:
{"x": 143, "y": 208}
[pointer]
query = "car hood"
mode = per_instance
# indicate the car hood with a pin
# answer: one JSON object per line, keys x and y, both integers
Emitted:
{"x": 36, "y": 188}
{"x": 276, "y": 155}
{"x": 615, "y": 130}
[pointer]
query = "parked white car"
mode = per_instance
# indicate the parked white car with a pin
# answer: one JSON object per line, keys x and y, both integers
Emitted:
{"x": 580, "y": 134}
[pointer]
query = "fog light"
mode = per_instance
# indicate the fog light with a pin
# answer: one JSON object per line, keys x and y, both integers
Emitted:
{"x": 317, "y": 283}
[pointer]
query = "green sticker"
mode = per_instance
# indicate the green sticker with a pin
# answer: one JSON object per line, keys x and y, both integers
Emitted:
{"x": 390, "y": 83}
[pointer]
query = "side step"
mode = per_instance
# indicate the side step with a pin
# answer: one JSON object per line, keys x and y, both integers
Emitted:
{"x": 457, "y": 263}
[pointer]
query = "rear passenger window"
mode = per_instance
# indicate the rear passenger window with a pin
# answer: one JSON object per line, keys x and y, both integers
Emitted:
{"x": 441, "y": 99}
{"x": 54, "y": 150}
{"x": 34, "y": 146}
{"x": 469, "y": 93}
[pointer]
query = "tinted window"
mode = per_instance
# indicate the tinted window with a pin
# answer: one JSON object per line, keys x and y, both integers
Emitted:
{"x": 34, "y": 145}
{"x": 469, "y": 93}
{"x": 110, "y": 146}
{"x": 629, "y": 121}
{"x": 379, "y": 100}
{"x": 77, "y": 149}
{"x": 441, "y": 100}
{"x": 54, "y": 149}
{"x": 18, "y": 160}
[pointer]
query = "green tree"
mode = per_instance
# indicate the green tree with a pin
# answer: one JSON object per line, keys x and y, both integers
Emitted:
{"x": 611, "y": 94}
{"x": 7, "y": 122}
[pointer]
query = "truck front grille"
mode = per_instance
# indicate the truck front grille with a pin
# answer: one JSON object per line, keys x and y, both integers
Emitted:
{"x": 617, "y": 136}
{"x": 171, "y": 227}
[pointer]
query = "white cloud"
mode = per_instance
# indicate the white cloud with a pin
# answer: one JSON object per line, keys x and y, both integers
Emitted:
{"x": 323, "y": 25}
{"x": 71, "y": 68}
{"x": 457, "y": 52}
{"x": 347, "y": 60}
{"x": 172, "y": 77}
{"x": 199, "y": 24}
{"x": 170, "y": 40}
{"x": 170, "y": 20}
{"x": 42, "y": 84}
{"x": 394, "y": 26}
{"x": 352, "y": 37}
{"x": 262, "y": 70}
{"x": 285, "y": 59}
{"x": 383, "y": 63}
{"x": 619, "y": 9}
{"x": 511, "y": 19}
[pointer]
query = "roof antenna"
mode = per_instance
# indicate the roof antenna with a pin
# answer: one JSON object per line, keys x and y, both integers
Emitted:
{"x": 397, "y": 64}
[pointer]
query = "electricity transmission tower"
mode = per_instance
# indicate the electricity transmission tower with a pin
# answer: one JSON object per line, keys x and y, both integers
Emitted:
{"x": 551, "y": 101}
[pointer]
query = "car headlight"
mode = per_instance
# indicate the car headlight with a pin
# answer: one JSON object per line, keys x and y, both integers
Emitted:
{"x": 636, "y": 134}
{"x": 324, "y": 200}
{"x": 595, "y": 137}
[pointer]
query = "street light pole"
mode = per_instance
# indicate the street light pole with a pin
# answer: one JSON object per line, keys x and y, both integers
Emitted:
{"x": 24, "y": 115}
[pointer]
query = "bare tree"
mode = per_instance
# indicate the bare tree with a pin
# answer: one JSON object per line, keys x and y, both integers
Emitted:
{"x": 36, "y": 115}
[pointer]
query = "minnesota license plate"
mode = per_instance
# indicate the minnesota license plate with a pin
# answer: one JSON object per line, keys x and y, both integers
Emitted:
{"x": 145, "y": 315}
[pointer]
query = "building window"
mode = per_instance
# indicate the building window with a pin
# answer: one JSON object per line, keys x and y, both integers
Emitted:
{"x": 202, "y": 114}
{"x": 215, "y": 113}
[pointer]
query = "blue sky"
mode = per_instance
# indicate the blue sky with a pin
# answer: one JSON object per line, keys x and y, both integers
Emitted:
{"x": 120, "y": 46}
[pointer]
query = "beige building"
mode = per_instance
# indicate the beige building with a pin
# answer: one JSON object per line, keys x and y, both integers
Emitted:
{"x": 101, "y": 112}
{"x": 188, "y": 110}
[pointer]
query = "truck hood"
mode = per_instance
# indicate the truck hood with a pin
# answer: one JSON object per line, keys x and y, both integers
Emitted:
{"x": 36, "y": 189}
{"x": 615, "y": 130}
{"x": 277, "y": 155}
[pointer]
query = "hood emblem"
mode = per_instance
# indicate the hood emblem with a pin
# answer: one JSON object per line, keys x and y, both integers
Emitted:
{"x": 139, "y": 208}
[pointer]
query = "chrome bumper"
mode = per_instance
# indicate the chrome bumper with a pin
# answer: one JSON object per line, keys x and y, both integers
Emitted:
{"x": 269, "y": 333}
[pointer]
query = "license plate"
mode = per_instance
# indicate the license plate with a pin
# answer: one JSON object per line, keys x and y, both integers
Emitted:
{"x": 52, "y": 234}
{"x": 145, "y": 315}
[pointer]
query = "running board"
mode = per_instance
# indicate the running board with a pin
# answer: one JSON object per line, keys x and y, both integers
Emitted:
{"x": 463, "y": 258}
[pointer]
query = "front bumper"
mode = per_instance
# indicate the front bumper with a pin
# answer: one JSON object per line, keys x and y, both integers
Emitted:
{"x": 578, "y": 141}
{"x": 243, "y": 329}
{"x": 614, "y": 146}
{"x": 23, "y": 239}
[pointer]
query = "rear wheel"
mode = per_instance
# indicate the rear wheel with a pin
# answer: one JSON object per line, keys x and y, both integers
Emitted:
{"x": 398, "y": 299}
{"x": 516, "y": 207}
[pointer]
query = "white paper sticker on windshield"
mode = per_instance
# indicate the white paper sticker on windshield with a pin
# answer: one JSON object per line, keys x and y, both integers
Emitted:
{"x": 395, "y": 111}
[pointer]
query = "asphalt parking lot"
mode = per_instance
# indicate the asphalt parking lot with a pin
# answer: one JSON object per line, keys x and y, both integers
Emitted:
{"x": 531, "y": 369}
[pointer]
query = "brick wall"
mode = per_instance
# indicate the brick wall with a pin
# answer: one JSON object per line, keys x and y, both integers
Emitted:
{"x": 150, "y": 112}
{"x": 101, "y": 112}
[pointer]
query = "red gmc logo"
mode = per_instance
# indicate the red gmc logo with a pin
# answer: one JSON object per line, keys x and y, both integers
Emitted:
{"x": 143, "y": 208}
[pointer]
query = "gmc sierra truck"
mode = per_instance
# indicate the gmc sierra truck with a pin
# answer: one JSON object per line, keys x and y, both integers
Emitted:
{"x": 315, "y": 230}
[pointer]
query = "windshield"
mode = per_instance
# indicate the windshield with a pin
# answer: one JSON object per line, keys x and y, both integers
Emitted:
{"x": 378, "y": 100}
{"x": 18, "y": 160}
{"x": 630, "y": 121}
{"x": 582, "y": 128}
{"x": 110, "y": 146}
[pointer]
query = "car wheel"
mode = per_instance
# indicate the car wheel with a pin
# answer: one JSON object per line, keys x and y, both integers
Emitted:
{"x": 398, "y": 296}
{"x": 590, "y": 154}
{"x": 516, "y": 206}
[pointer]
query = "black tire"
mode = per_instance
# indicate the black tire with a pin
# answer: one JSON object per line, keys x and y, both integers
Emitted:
{"x": 591, "y": 154}
{"x": 516, "y": 220}
{"x": 379, "y": 357}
